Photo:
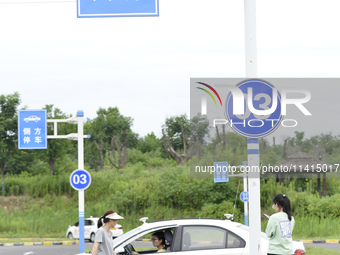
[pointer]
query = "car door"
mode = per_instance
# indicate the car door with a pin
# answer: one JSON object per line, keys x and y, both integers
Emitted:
{"x": 88, "y": 225}
{"x": 76, "y": 230}
{"x": 136, "y": 233}
{"x": 196, "y": 240}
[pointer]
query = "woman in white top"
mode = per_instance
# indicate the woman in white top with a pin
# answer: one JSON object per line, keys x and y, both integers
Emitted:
{"x": 103, "y": 243}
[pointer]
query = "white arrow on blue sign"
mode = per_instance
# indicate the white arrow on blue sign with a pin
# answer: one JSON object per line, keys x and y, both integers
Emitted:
{"x": 32, "y": 129}
{"x": 244, "y": 196}
{"x": 116, "y": 8}
{"x": 80, "y": 179}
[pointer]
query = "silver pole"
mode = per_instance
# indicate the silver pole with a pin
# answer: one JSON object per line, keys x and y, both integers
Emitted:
{"x": 252, "y": 144}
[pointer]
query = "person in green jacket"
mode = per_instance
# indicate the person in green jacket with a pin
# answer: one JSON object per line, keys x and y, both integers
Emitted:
{"x": 280, "y": 227}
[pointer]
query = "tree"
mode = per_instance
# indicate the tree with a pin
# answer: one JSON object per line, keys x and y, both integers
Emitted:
{"x": 57, "y": 148}
{"x": 111, "y": 134}
{"x": 176, "y": 132}
{"x": 175, "y": 128}
{"x": 199, "y": 130}
{"x": 322, "y": 144}
{"x": 148, "y": 143}
{"x": 8, "y": 131}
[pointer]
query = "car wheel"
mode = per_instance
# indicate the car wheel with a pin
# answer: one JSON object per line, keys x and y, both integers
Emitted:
{"x": 92, "y": 237}
{"x": 69, "y": 235}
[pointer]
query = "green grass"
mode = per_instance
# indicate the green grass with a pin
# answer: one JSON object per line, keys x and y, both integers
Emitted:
{"x": 44, "y": 206}
{"x": 320, "y": 251}
{"x": 50, "y": 217}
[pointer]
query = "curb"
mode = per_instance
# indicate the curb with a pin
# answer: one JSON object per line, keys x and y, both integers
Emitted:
{"x": 328, "y": 241}
{"x": 41, "y": 243}
{"x": 333, "y": 241}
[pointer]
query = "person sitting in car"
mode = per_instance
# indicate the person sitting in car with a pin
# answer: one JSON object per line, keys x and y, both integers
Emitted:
{"x": 158, "y": 240}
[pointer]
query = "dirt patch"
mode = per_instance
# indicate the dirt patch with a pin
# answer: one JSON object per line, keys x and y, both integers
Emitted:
{"x": 22, "y": 203}
{"x": 12, "y": 203}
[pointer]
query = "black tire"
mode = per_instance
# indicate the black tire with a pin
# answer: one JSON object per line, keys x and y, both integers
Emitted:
{"x": 69, "y": 235}
{"x": 92, "y": 237}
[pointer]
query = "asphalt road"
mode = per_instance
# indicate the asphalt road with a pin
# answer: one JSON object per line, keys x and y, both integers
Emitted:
{"x": 74, "y": 249}
{"x": 41, "y": 250}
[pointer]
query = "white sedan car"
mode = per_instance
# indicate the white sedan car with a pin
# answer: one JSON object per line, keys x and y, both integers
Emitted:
{"x": 90, "y": 228}
{"x": 195, "y": 237}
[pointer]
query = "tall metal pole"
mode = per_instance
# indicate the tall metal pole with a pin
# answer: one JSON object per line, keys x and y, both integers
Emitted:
{"x": 250, "y": 38}
{"x": 80, "y": 115}
{"x": 252, "y": 144}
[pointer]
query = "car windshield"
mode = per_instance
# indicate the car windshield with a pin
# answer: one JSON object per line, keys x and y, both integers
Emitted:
{"x": 125, "y": 236}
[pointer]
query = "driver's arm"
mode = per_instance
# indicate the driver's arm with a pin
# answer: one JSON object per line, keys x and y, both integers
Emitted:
{"x": 134, "y": 252}
{"x": 95, "y": 248}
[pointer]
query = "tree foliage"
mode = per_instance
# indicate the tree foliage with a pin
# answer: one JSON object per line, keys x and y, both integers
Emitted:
{"x": 111, "y": 134}
{"x": 148, "y": 143}
{"x": 176, "y": 133}
{"x": 57, "y": 148}
{"x": 175, "y": 128}
{"x": 10, "y": 158}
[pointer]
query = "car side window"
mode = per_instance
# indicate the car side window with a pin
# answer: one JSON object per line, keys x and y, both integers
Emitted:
{"x": 76, "y": 224}
{"x": 203, "y": 238}
{"x": 234, "y": 241}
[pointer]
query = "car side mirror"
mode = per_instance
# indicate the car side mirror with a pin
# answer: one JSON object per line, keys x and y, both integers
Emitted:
{"x": 120, "y": 250}
{"x": 69, "y": 226}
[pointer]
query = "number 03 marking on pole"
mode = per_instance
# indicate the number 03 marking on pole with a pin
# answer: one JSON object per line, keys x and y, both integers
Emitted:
{"x": 80, "y": 179}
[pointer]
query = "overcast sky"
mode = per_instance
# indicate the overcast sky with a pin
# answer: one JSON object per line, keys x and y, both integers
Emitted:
{"x": 143, "y": 65}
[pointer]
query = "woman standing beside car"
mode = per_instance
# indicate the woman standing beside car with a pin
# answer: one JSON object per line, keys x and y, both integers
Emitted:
{"x": 103, "y": 243}
{"x": 280, "y": 227}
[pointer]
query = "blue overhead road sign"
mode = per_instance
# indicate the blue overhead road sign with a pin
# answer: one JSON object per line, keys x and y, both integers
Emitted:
{"x": 116, "y": 8}
{"x": 32, "y": 129}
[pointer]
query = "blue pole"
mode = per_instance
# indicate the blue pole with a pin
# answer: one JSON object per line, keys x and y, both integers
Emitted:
{"x": 81, "y": 233}
{"x": 245, "y": 182}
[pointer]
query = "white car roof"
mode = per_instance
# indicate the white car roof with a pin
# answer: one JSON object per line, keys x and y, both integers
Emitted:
{"x": 174, "y": 222}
